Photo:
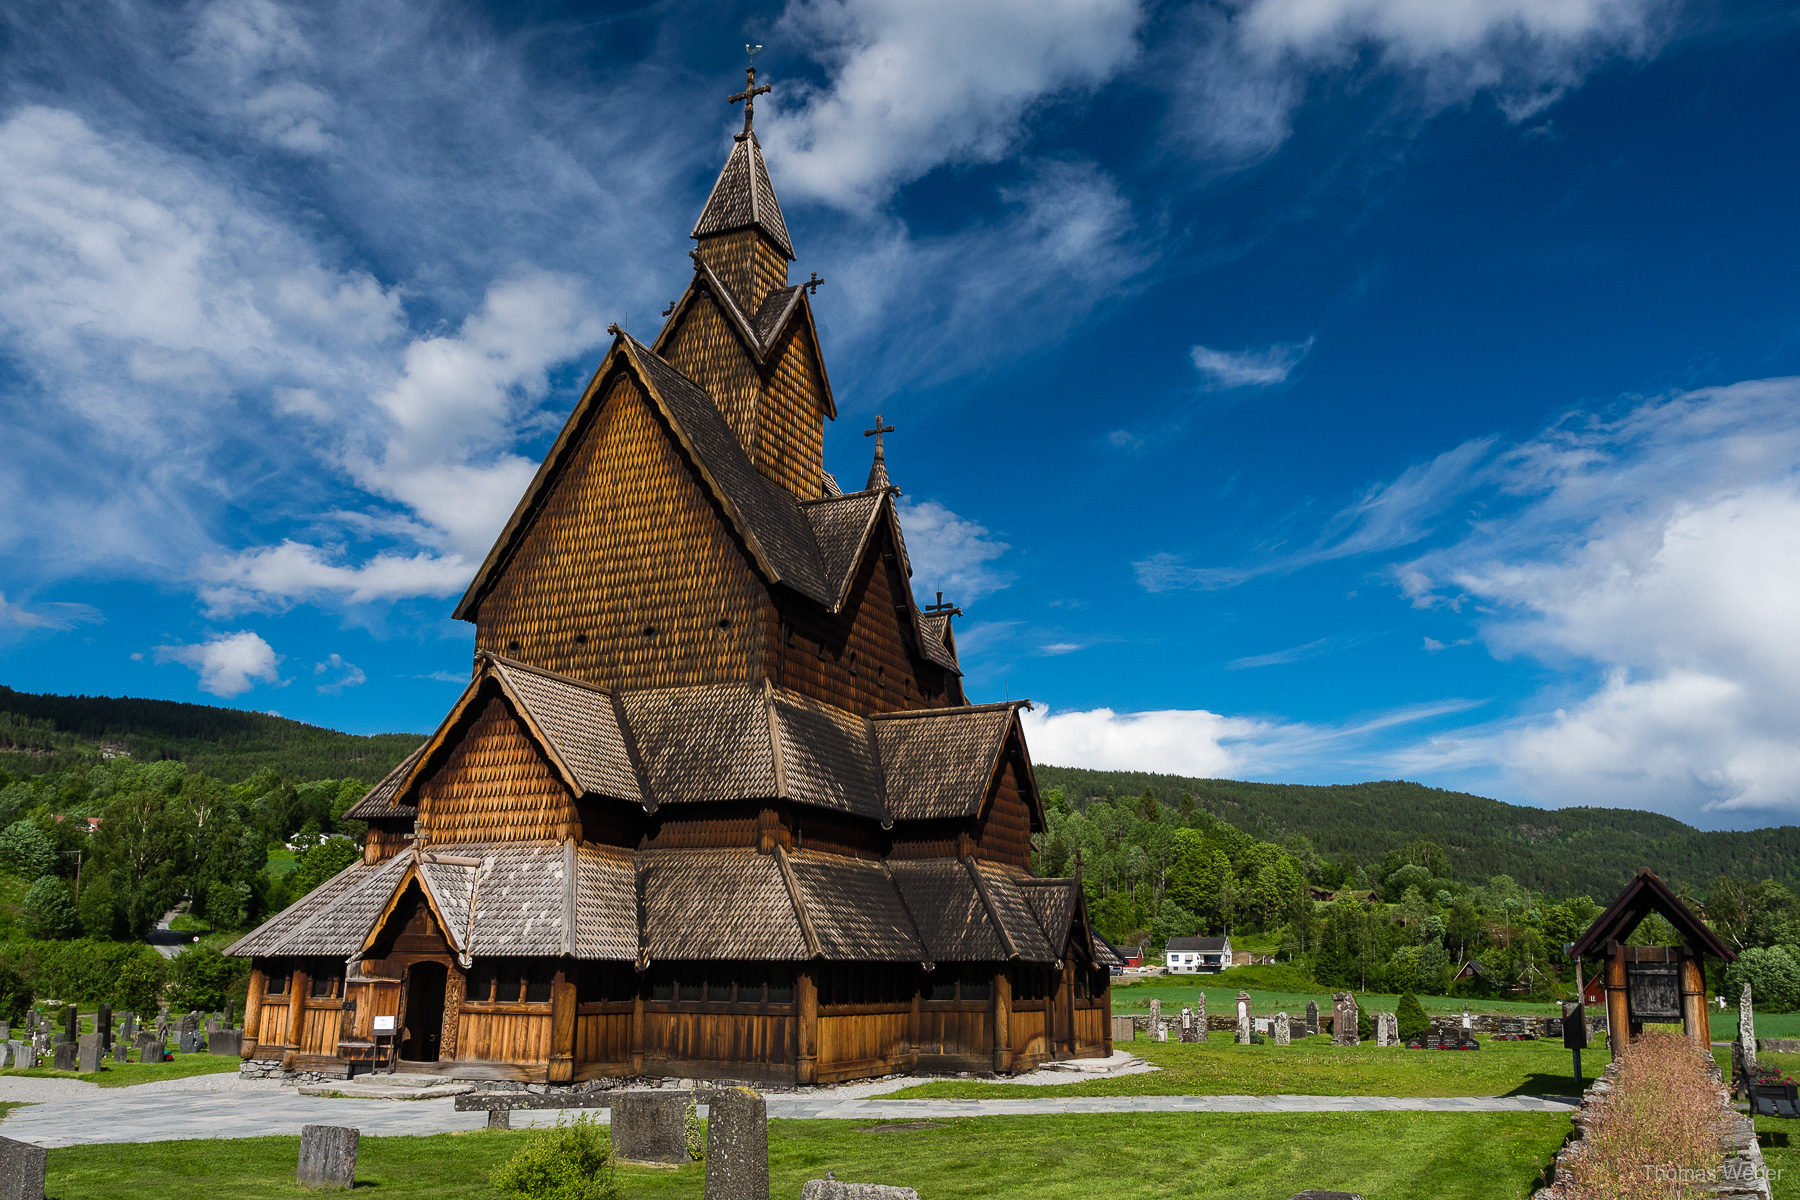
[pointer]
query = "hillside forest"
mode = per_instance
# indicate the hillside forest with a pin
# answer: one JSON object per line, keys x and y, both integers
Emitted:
{"x": 115, "y": 812}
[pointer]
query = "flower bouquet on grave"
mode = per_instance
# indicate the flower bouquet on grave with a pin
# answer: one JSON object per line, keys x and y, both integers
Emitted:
{"x": 1772, "y": 1076}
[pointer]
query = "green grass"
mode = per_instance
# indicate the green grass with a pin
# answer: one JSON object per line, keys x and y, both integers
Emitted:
{"x": 281, "y": 861}
{"x": 1136, "y": 997}
{"x": 113, "y": 1074}
{"x": 1314, "y": 1067}
{"x": 1780, "y": 1025}
{"x": 1781, "y": 1155}
{"x": 189, "y": 924}
{"x": 1448, "y": 1156}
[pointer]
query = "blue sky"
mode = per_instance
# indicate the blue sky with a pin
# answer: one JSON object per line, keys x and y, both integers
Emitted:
{"x": 1307, "y": 390}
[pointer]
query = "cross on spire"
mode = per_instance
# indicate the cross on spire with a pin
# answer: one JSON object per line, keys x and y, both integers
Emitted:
{"x": 812, "y": 289}
{"x": 748, "y": 96}
{"x": 878, "y": 476}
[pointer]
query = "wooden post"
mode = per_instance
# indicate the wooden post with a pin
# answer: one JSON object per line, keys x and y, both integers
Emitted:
{"x": 562, "y": 1026}
{"x": 299, "y": 986}
{"x": 253, "y": 1006}
{"x": 914, "y": 1030}
{"x": 456, "y": 988}
{"x": 1694, "y": 1020}
{"x": 1002, "y": 1022}
{"x": 1107, "y": 1023}
{"x": 1618, "y": 1008}
{"x": 637, "y": 1029}
{"x": 806, "y": 1026}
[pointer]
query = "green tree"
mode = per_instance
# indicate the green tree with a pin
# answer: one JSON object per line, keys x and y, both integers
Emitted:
{"x": 145, "y": 843}
{"x": 1410, "y": 1014}
{"x": 203, "y": 978}
{"x": 1773, "y": 973}
{"x": 47, "y": 911}
{"x": 321, "y": 863}
{"x": 139, "y": 982}
{"x": 26, "y": 851}
{"x": 99, "y": 911}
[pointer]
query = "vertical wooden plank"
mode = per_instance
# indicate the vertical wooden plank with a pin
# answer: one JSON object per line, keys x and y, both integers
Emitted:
{"x": 913, "y": 1031}
{"x": 1694, "y": 1020}
{"x": 1002, "y": 1020}
{"x": 562, "y": 1026}
{"x": 1106, "y": 1020}
{"x": 806, "y": 1017}
{"x": 637, "y": 1031}
{"x": 1618, "y": 1011}
{"x": 299, "y": 984}
{"x": 253, "y": 1006}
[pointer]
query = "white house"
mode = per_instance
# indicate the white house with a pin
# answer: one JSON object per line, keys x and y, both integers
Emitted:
{"x": 1197, "y": 955}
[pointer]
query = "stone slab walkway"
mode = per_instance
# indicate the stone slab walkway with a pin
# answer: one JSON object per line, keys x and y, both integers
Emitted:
{"x": 137, "y": 1115}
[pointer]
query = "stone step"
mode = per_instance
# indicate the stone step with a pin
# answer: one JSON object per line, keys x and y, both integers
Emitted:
{"x": 384, "y": 1090}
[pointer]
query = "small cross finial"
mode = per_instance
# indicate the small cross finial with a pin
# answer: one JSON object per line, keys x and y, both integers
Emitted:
{"x": 878, "y": 476}
{"x": 670, "y": 309}
{"x": 812, "y": 285}
{"x": 878, "y": 431}
{"x": 748, "y": 96}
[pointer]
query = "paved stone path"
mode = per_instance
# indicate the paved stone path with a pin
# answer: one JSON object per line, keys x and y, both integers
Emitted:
{"x": 139, "y": 1115}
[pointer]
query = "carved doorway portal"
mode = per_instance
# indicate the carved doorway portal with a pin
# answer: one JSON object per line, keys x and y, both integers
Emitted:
{"x": 424, "y": 1011}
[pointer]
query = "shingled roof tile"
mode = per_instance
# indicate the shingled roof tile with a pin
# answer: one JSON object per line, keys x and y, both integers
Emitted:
{"x": 742, "y": 197}
{"x": 937, "y": 762}
{"x": 718, "y": 904}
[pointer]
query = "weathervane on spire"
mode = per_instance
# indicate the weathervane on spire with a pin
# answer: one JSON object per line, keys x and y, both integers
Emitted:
{"x": 750, "y": 92}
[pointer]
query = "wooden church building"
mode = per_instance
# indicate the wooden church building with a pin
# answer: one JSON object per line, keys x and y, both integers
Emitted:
{"x": 713, "y": 803}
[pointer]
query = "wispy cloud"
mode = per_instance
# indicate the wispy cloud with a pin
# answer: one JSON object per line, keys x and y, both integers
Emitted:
{"x": 1221, "y": 370}
{"x": 1386, "y": 517}
{"x": 1313, "y": 649}
{"x": 951, "y": 553}
{"x": 53, "y": 616}
{"x": 349, "y": 675}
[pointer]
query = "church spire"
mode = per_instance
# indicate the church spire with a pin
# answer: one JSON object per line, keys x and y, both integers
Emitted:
{"x": 878, "y": 476}
{"x": 743, "y": 200}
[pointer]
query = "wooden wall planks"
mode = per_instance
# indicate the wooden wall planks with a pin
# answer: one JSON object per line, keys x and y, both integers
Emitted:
{"x": 495, "y": 785}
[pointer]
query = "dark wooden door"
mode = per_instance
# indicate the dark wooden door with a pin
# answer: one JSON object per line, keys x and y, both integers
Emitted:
{"x": 424, "y": 1011}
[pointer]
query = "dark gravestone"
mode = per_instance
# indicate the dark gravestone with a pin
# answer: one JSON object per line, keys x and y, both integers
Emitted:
{"x": 737, "y": 1145}
{"x": 191, "y": 1024}
{"x": 71, "y": 1024}
{"x": 68, "y": 1056}
{"x": 121, "y": 1052}
{"x": 650, "y": 1126}
{"x": 22, "y": 1170}
{"x": 103, "y": 1024}
{"x": 328, "y": 1156}
{"x": 90, "y": 1053}
{"x": 837, "y": 1189}
{"x": 499, "y": 1118}
{"x": 226, "y": 1041}
{"x": 127, "y": 1026}
{"x": 150, "y": 1048}
{"x": 1312, "y": 1018}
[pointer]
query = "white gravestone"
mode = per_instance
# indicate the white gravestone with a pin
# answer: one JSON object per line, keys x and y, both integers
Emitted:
{"x": 1282, "y": 1037}
{"x": 1243, "y": 1018}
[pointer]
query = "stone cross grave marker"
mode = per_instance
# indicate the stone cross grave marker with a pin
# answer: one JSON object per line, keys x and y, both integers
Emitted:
{"x": 737, "y": 1145}
{"x": 328, "y": 1156}
{"x": 1243, "y": 1018}
{"x": 1312, "y": 1018}
{"x": 1282, "y": 1035}
{"x": 22, "y": 1170}
{"x": 650, "y": 1126}
{"x": 1343, "y": 1020}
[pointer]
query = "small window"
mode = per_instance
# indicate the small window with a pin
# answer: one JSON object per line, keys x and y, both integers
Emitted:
{"x": 540, "y": 977}
{"x": 781, "y": 984}
{"x": 690, "y": 983}
{"x": 480, "y": 987}
{"x": 721, "y": 982}
{"x": 977, "y": 986}
{"x": 609, "y": 982}
{"x": 277, "y": 981}
{"x": 323, "y": 986}
{"x": 943, "y": 985}
{"x": 508, "y": 980}
{"x": 662, "y": 986}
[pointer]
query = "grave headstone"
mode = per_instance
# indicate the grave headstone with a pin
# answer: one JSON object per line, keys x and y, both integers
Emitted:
{"x": 328, "y": 1156}
{"x": 650, "y": 1126}
{"x": 226, "y": 1042}
{"x": 1312, "y": 1018}
{"x": 1156, "y": 1021}
{"x": 22, "y": 1170}
{"x": 127, "y": 1025}
{"x": 1390, "y": 1027}
{"x": 1200, "y": 1013}
{"x": 190, "y": 1023}
{"x": 5, "y": 1030}
{"x": 68, "y": 1056}
{"x": 1243, "y": 1018}
{"x": 103, "y": 1024}
{"x": 19, "y": 1054}
{"x": 838, "y": 1189}
{"x": 1124, "y": 1029}
{"x": 89, "y": 1053}
{"x": 1432, "y": 1040}
{"x": 6, "y": 1054}
{"x": 1343, "y": 1019}
{"x": 1381, "y": 1038}
{"x": 1162, "y": 1031}
{"x": 121, "y": 1052}
{"x": 737, "y": 1145}
{"x": 1190, "y": 1028}
{"x": 1282, "y": 1034}
{"x": 71, "y": 1024}
{"x": 212, "y": 1026}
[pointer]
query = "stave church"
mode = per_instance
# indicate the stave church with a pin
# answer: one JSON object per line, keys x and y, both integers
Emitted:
{"x": 714, "y": 803}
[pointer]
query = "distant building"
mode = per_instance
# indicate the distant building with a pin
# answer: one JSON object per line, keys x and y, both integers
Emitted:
{"x": 1131, "y": 956}
{"x": 1197, "y": 955}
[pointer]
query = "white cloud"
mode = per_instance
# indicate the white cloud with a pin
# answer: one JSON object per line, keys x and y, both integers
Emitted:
{"x": 1659, "y": 549}
{"x": 229, "y": 664}
{"x": 1055, "y": 649}
{"x": 1206, "y": 744}
{"x": 349, "y": 675}
{"x": 1239, "y": 75}
{"x": 55, "y": 616}
{"x": 272, "y": 578}
{"x": 918, "y": 84}
{"x": 1386, "y": 517}
{"x": 951, "y": 554}
{"x": 1225, "y": 369}
{"x": 1311, "y": 649}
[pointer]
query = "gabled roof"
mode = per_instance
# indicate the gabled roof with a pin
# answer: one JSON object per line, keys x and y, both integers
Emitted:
{"x": 1644, "y": 895}
{"x": 936, "y": 641}
{"x": 1197, "y": 945}
{"x": 941, "y": 762}
{"x": 759, "y": 331}
{"x": 843, "y": 525}
{"x": 765, "y": 517}
{"x": 378, "y": 802}
{"x": 743, "y": 198}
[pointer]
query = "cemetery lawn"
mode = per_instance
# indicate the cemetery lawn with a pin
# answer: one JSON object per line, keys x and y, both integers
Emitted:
{"x": 1781, "y": 1154}
{"x": 1314, "y": 1067}
{"x": 1135, "y": 998}
{"x": 1447, "y": 1156}
{"x": 115, "y": 1074}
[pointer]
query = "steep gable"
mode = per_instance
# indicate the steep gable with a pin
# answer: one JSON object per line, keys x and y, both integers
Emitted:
{"x": 627, "y": 576}
{"x": 493, "y": 783}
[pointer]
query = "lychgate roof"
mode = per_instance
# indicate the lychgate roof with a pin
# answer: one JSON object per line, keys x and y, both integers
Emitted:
{"x": 1644, "y": 895}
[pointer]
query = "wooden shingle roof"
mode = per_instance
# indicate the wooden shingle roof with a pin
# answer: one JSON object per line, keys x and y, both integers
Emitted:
{"x": 743, "y": 198}
{"x": 939, "y": 762}
{"x": 719, "y": 903}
